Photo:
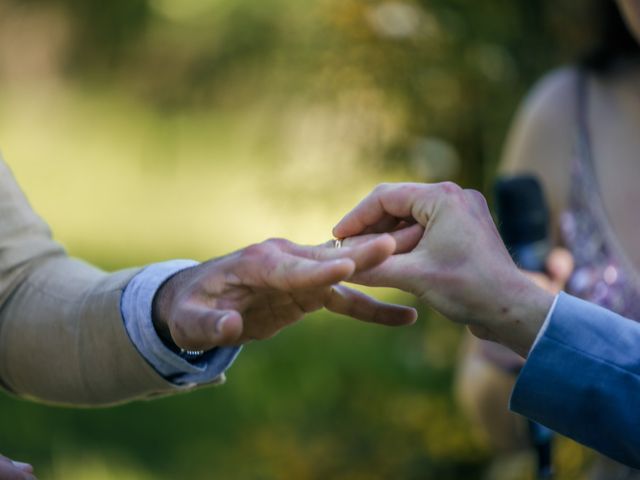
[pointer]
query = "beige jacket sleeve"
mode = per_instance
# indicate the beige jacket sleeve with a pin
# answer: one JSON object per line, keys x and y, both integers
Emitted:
{"x": 62, "y": 337}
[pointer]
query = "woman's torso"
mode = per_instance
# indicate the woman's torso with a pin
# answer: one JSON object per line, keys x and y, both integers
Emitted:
{"x": 601, "y": 222}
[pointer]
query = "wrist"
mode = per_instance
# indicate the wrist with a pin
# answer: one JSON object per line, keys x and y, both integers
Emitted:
{"x": 161, "y": 309}
{"x": 520, "y": 316}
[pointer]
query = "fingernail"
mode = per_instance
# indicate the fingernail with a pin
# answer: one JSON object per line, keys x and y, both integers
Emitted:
{"x": 220, "y": 323}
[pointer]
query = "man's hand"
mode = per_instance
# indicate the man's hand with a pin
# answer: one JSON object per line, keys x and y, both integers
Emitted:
{"x": 10, "y": 470}
{"x": 255, "y": 292}
{"x": 460, "y": 265}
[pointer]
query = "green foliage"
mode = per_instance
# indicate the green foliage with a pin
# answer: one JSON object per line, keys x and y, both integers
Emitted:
{"x": 452, "y": 69}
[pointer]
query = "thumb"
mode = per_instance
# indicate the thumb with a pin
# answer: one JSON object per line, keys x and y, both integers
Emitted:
{"x": 197, "y": 327}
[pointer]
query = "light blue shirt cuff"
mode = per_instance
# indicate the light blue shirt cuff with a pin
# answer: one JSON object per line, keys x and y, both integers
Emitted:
{"x": 136, "y": 308}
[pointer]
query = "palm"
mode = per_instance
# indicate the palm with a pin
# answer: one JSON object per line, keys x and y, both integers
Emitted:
{"x": 267, "y": 311}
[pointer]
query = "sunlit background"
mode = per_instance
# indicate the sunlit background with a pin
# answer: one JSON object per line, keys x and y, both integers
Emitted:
{"x": 143, "y": 130}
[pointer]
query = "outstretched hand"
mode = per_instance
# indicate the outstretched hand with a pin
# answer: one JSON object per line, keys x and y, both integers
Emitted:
{"x": 255, "y": 292}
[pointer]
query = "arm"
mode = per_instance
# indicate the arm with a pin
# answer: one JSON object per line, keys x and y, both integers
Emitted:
{"x": 582, "y": 379}
{"x": 62, "y": 335}
{"x": 460, "y": 266}
{"x": 583, "y": 375}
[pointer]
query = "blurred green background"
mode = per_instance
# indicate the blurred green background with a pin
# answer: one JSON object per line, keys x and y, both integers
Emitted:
{"x": 151, "y": 129}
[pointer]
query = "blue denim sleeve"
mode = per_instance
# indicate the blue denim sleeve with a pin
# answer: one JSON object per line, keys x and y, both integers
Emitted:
{"x": 135, "y": 306}
{"x": 582, "y": 379}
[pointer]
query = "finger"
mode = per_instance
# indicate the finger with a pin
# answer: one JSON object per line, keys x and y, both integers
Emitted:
{"x": 198, "y": 327}
{"x": 405, "y": 223}
{"x": 560, "y": 266}
{"x": 292, "y": 272}
{"x": 389, "y": 224}
{"x": 406, "y": 238}
{"x": 399, "y": 200}
{"x": 396, "y": 272}
{"x": 364, "y": 252}
{"x": 350, "y": 302}
{"x": 372, "y": 253}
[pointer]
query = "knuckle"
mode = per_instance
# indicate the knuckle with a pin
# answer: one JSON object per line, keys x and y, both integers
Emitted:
{"x": 255, "y": 250}
{"x": 476, "y": 196}
{"x": 382, "y": 187}
{"x": 410, "y": 189}
{"x": 450, "y": 195}
{"x": 450, "y": 188}
{"x": 279, "y": 243}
